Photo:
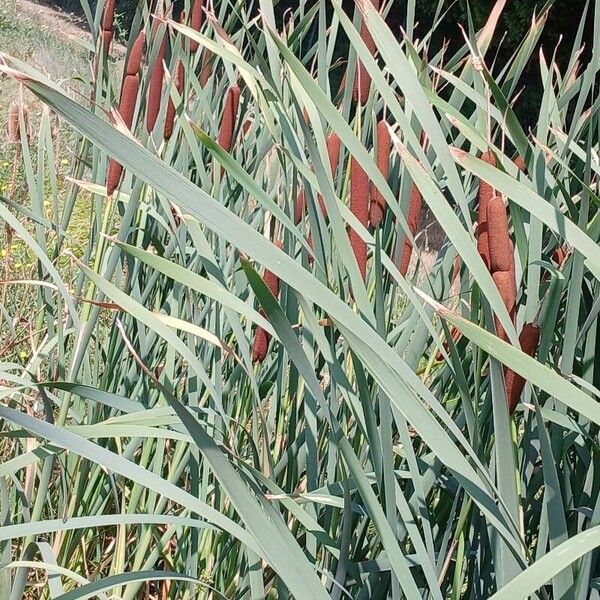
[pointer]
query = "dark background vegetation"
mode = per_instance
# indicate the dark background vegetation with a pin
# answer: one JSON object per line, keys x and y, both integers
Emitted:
{"x": 559, "y": 34}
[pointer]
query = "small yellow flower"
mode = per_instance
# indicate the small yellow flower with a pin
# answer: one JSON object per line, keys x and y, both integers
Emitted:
{"x": 6, "y": 164}
{"x": 64, "y": 161}
{"x": 23, "y": 354}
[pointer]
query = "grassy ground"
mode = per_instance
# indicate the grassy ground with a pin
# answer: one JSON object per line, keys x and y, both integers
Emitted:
{"x": 55, "y": 44}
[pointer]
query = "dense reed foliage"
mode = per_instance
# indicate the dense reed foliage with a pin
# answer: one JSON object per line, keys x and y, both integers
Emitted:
{"x": 319, "y": 342}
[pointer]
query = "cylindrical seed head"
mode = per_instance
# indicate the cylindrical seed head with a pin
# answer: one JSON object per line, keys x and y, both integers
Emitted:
{"x": 129, "y": 93}
{"x": 500, "y": 245}
{"x": 382, "y": 158}
{"x": 529, "y": 340}
{"x": 155, "y": 87}
{"x": 362, "y": 79}
{"x": 196, "y": 17}
{"x": 228, "y": 119}
{"x": 485, "y": 194}
{"x": 359, "y": 205}
{"x": 412, "y": 220}
{"x": 178, "y": 81}
{"x": 134, "y": 61}
{"x": 109, "y": 15}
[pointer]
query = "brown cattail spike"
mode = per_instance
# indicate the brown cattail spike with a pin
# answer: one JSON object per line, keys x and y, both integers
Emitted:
{"x": 196, "y": 17}
{"x": 560, "y": 255}
{"x": 206, "y": 69}
{"x": 262, "y": 337}
{"x": 455, "y": 334}
{"x": 107, "y": 24}
{"x": 134, "y": 60}
{"x": 14, "y": 122}
{"x": 507, "y": 288}
{"x": 109, "y": 15}
{"x": 127, "y": 104}
{"x": 500, "y": 247}
{"x": 333, "y": 154}
{"x": 412, "y": 220}
{"x": 362, "y": 79}
{"x": 299, "y": 206}
{"x": 359, "y": 205}
{"x": 377, "y": 209}
{"x": 229, "y": 117}
{"x": 156, "y": 81}
{"x": 486, "y": 193}
{"x": 520, "y": 163}
{"x": 529, "y": 340}
{"x": 178, "y": 82}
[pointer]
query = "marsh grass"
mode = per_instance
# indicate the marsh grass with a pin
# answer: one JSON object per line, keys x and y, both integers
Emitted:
{"x": 371, "y": 454}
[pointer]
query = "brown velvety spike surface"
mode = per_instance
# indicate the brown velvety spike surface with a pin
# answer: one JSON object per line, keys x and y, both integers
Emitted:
{"x": 359, "y": 205}
{"x": 178, "y": 82}
{"x": 455, "y": 334}
{"x": 520, "y": 163}
{"x": 228, "y": 119}
{"x": 109, "y": 15}
{"x": 196, "y": 17}
{"x": 155, "y": 87}
{"x": 299, "y": 206}
{"x": 485, "y": 194}
{"x": 262, "y": 337}
{"x": 129, "y": 94}
{"x": 500, "y": 246}
{"x": 529, "y": 340}
{"x": 507, "y": 287}
{"x": 134, "y": 60}
{"x": 362, "y": 79}
{"x": 382, "y": 157}
{"x": 333, "y": 153}
{"x": 412, "y": 219}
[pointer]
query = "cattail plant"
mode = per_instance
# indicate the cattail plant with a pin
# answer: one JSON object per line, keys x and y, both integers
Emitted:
{"x": 486, "y": 193}
{"x": 414, "y": 214}
{"x": 559, "y": 256}
{"x": 155, "y": 87}
{"x": 514, "y": 383}
{"x": 178, "y": 81}
{"x": 206, "y": 68}
{"x": 262, "y": 337}
{"x": 359, "y": 205}
{"x": 333, "y": 154}
{"x": 127, "y": 103}
{"x": 196, "y": 17}
{"x": 108, "y": 19}
{"x": 501, "y": 256}
{"x": 362, "y": 79}
{"x": 455, "y": 335}
{"x": 382, "y": 157}
{"x": 228, "y": 119}
{"x": 520, "y": 163}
